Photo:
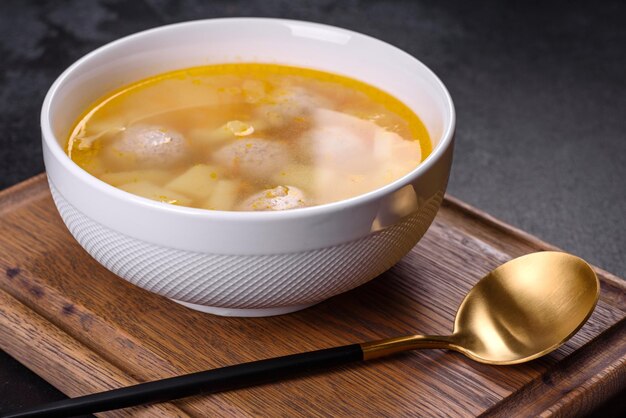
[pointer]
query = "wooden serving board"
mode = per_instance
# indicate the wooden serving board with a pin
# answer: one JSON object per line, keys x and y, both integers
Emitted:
{"x": 84, "y": 330}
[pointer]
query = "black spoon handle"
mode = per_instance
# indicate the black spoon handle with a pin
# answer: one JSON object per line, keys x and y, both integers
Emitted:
{"x": 210, "y": 381}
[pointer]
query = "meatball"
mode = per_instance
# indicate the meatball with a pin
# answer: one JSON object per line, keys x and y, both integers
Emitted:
{"x": 340, "y": 141}
{"x": 287, "y": 107}
{"x": 254, "y": 157}
{"x": 278, "y": 198}
{"x": 149, "y": 145}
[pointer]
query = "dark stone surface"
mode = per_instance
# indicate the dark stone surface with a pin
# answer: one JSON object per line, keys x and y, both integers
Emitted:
{"x": 539, "y": 89}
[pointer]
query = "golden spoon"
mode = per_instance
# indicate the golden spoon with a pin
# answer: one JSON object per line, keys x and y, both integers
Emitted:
{"x": 520, "y": 311}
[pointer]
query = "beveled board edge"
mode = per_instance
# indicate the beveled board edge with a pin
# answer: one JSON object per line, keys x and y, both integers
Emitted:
{"x": 575, "y": 386}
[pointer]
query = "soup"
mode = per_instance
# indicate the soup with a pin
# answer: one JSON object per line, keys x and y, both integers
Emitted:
{"x": 248, "y": 137}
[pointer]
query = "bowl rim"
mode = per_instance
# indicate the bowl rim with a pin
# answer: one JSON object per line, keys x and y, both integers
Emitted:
{"x": 57, "y": 151}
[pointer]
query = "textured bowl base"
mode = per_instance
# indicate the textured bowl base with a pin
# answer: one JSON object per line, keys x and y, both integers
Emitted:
{"x": 244, "y": 313}
{"x": 289, "y": 281}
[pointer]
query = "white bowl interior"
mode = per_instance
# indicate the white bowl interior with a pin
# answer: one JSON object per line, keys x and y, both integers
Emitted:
{"x": 246, "y": 40}
{"x": 251, "y": 40}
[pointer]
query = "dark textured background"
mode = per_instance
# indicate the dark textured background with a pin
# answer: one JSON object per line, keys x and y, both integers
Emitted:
{"x": 538, "y": 86}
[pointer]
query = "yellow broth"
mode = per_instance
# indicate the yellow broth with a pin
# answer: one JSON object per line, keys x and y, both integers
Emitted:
{"x": 248, "y": 137}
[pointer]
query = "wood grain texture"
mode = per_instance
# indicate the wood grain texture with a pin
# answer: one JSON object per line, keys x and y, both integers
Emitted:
{"x": 83, "y": 329}
{"x": 20, "y": 326}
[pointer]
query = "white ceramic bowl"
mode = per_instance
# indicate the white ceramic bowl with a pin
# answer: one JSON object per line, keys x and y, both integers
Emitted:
{"x": 247, "y": 263}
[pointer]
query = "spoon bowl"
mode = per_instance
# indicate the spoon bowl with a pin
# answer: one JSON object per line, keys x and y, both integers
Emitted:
{"x": 525, "y": 308}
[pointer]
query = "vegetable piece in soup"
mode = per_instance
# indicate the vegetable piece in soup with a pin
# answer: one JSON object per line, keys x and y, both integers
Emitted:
{"x": 248, "y": 137}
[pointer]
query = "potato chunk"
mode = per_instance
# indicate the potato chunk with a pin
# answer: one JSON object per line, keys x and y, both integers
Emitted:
{"x": 154, "y": 192}
{"x": 198, "y": 182}
{"x": 224, "y": 195}
{"x": 123, "y": 177}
